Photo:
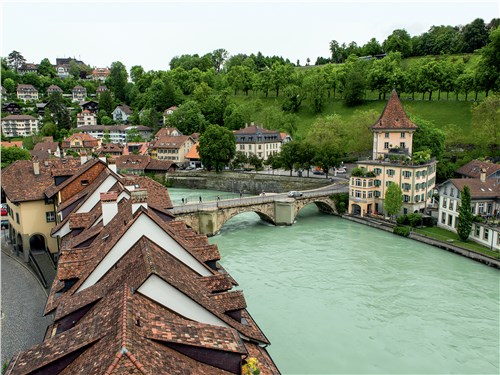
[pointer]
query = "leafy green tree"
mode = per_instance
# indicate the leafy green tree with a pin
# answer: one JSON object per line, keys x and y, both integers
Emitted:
{"x": 398, "y": 41}
{"x": 353, "y": 82}
{"x": 429, "y": 76}
{"x": 294, "y": 97}
{"x": 255, "y": 161}
{"x": 106, "y": 138}
{"x": 117, "y": 80}
{"x": 235, "y": 116}
{"x": 428, "y": 136}
{"x": 263, "y": 81}
{"x": 9, "y": 85}
{"x": 327, "y": 156}
{"x": 49, "y": 129}
{"x": 188, "y": 118}
{"x": 133, "y": 135}
{"x": 489, "y": 64}
{"x": 393, "y": 201}
{"x": 60, "y": 114}
{"x": 280, "y": 74}
{"x": 106, "y": 103}
{"x": 239, "y": 160}
{"x": 273, "y": 161}
{"x": 372, "y": 48}
{"x": 337, "y": 52}
{"x": 385, "y": 74}
{"x": 16, "y": 60}
{"x": 217, "y": 147}
{"x": 240, "y": 78}
{"x": 289, "y": 155}
{"x": 45, "y": 68}
{"x": 475, "y": 35}
{"x": 219, "y": 56}
{"x": 11, "y": 154}
{"x": 315, "y": 88}
{"x": 464, "y": 225}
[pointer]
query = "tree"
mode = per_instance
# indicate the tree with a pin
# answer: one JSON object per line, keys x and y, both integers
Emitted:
{"x": 60, "y": 114}
{"x": 11, "y": 154}
{"x": 49, "y": 129}
{"x": 106, "y": 103}
{"x": 217, "y": 147}
{"x": 489, "y": 64}
{"x": 45, "y": 68}
{"x": 16, "y": 60}
{"x": 219, "y": 56}
{"x": 398, "y": 41}
{"x": 428, "y": 137}
{"x": 315, "y": 89}
{"x": 255, "y": 161}
{"x": 464, "y": 225}
{"x": 353, "y": 87}
{"x": 289, "y": 155}
{"x": 188, "y": 118}
{"x": 117, "y": 80}
{"x": 475, "y": 35}
{"x": 372, "y": 48}
{"x": 327, "y": 156}
{"x": 393, "y": 201}
{"x": 133, "y": 135}
{"x": 240, "y": 159}
{"x": 9, "y": 85}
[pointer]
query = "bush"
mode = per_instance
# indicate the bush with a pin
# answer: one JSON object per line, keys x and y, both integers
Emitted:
{"x": 414, "y": 219}
{"x": 401, "y": 230}
{"x": 428, "y": 221}
{"x": 402, "y": 220}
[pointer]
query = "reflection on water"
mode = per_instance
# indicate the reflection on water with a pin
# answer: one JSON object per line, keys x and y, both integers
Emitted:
{"x": 334, "y": 296}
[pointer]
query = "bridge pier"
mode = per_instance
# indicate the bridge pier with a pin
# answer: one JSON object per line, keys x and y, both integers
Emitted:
{"x": 284, "y": 211}
{"x": 207, "y": 223}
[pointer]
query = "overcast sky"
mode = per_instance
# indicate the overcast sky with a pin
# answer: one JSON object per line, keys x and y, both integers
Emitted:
{"x": 150, "y": 33}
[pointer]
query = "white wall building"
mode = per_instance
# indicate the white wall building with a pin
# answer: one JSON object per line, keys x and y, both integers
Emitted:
{"x": 19, "y": 125}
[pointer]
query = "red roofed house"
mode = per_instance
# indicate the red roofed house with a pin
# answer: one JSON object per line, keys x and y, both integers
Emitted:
{"x": 392, "y": 163}
{"x": 19, "y": 125}
{"x": 137, "y": 291}
{"x": 7, "y": 144}
{"x": 100, "y": 74}
{"x": 485, "y": 202}
{"x": 193, "y": 157}
{"x": 171, "y": 148}
{"x": 473, "y": 169}
{"x": 83, "y": 144}
{"x": 27, "y": 92}
{"x": 46, "y": 149}
{"x": 167, "y": 132}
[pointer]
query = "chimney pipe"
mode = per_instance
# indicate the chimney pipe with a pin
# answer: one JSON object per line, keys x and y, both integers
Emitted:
{"x": 109, "y": 206}
{"x": 36, "y": 167}
{"x": 482, "y": 176}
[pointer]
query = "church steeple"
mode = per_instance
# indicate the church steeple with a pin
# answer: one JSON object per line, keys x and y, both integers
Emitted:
{"x": 393, "y": 116}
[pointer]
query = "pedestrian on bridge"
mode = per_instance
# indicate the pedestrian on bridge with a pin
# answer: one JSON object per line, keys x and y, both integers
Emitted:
{"x": 182, "y": 200}
{"x": 200, "y": 198}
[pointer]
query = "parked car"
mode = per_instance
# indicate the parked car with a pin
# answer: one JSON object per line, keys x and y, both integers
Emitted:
{"x": 318, "y": 172}
{"x": 4, "y": 209}
{"x": 294, "y": 194}
{"x": 4, "y": 224}
{"x": 340, "y": 170}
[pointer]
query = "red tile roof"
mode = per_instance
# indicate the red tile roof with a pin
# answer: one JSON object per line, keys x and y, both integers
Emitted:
{"x": 8, "y": 144}
{"x": 393, "y": 116}
{"x": 490, "y": 189}
{"x": 473, "y": 169}
{"x": 193, "y": 152}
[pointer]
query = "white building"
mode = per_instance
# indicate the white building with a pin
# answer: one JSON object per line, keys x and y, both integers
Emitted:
{"x": 117, "y": 133}
{"x": 86, "y": 118}
{"x": 121, "y": 113}
{"x": 27, "y": 92}
{"x": 255, "y": 140}
{"x": 19, "y": 125}
{"x": 485, "y": 202}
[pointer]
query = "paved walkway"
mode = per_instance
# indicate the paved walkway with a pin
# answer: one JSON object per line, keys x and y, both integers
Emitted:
{"x": 23, "y": 301}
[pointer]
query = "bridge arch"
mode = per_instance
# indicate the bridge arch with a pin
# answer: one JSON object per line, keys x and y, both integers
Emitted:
{"x": 324, "y": 204}
{"x": 264, "y": 213}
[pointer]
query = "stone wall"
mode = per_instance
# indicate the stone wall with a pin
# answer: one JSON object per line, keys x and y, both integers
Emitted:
{"x": 248, "y": 183}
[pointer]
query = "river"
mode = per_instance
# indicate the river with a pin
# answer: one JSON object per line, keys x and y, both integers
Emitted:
{"x": 337, "y": 297}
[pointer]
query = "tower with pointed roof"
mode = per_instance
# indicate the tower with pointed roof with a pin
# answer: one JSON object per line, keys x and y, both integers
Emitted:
{"x": 392, "y": 162}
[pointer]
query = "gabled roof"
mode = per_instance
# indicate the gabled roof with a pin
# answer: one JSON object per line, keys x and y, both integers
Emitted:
{"x": 21, "y": 184}
{"x": 54, "y": 88}
{"x": 124, "y": 108}
{"x": 473, "y": 169}
{"x": 160, "y": 165}
{"x": 167, "y": 132}
{"x": 25, "y": 87}
{"x": 253, "y": 129}
{"x": 7, "y": 144}
{"x": 110, "y": 147}
{"x": 132, "y": 162}
{"x": 18, "y": 117}
{"x": 490, "y": 189}
{"x": 193, "y": 152}
{"x": 175, "y": 142}
{"x": 393, "y": 116}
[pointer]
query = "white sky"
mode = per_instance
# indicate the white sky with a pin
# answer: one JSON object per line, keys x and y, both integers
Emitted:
{"x": 150, "y": 33}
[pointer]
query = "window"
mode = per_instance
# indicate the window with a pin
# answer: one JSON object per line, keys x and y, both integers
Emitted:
{"x": 85, "y": 182}
{"x": 50, "y": 217}
{"x": 370, "y": 194}
{"x": 17, "y": 217}
{"x": 358, "y": 194}
{"x": 402, "y": 145}
{"x": 376, "y": 194}
{"x": 450, "y": 220}
{"x": 242, "y": 147}
{"x": 358, "y": 182}
{"x": 477, "y": 230}
{"x": 443, "y": 218}
{"x": 481, "y": 208}
{"x": 403, "y": 135}
{"x": 386, "y": 145}
{"x": 406, "y": 174}
{"x": 406, "y": 198}
{"x": 444, "y": 202}
{"x": 450, "y": 205}
{"x": 387, "y": 135}
{"x": 390, "y": 172}
{"x": 486, "y": 234}
{"x": 364, "y": 194}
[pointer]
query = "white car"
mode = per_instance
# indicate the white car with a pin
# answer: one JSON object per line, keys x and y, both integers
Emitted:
{"x": 340, "y": 170}
{"x": 294, "y": 194}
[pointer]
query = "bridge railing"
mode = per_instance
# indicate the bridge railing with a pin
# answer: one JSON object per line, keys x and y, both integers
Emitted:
{"x": 248, "y": 201}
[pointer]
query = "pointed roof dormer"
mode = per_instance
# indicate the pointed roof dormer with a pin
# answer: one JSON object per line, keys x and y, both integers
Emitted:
{"x": 393, "y": 116}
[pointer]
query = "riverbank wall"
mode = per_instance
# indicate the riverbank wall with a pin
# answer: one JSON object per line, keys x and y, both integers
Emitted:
{"x": 247, "y": 183}
{"x": 388, "y": 227}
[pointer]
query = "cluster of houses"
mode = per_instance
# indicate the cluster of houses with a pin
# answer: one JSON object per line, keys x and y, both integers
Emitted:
{"x": 392, "y": 162}
{"x": 62, "y": 67}
{"x": 136, "y": 291}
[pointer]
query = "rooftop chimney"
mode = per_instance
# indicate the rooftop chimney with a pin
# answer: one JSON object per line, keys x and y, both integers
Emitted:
{"x": 36, "y": 167}
{"x": 139, "y": 198}
{"x": 83, "y": 159}
{"x": 482, "y": 176}
{"x": 109, "y": 206}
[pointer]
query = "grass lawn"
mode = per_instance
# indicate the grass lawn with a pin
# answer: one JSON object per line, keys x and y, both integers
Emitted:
{"x": 446, "y": 235}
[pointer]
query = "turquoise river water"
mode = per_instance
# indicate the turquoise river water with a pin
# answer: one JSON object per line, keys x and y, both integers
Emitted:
{"x": 337, "y": 297}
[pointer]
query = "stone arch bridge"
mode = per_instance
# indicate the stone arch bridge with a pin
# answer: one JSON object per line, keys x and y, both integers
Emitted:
{"x": 278, "y": 209}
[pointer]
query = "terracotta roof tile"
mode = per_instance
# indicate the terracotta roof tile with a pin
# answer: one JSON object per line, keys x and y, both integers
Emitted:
{"x": 393, "y": 116}
{"x": 473, "y": 168}
{"x": 489, "y": 189}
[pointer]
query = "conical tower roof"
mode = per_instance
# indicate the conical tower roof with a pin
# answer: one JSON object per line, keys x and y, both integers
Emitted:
{"x": 393, "y": 116}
